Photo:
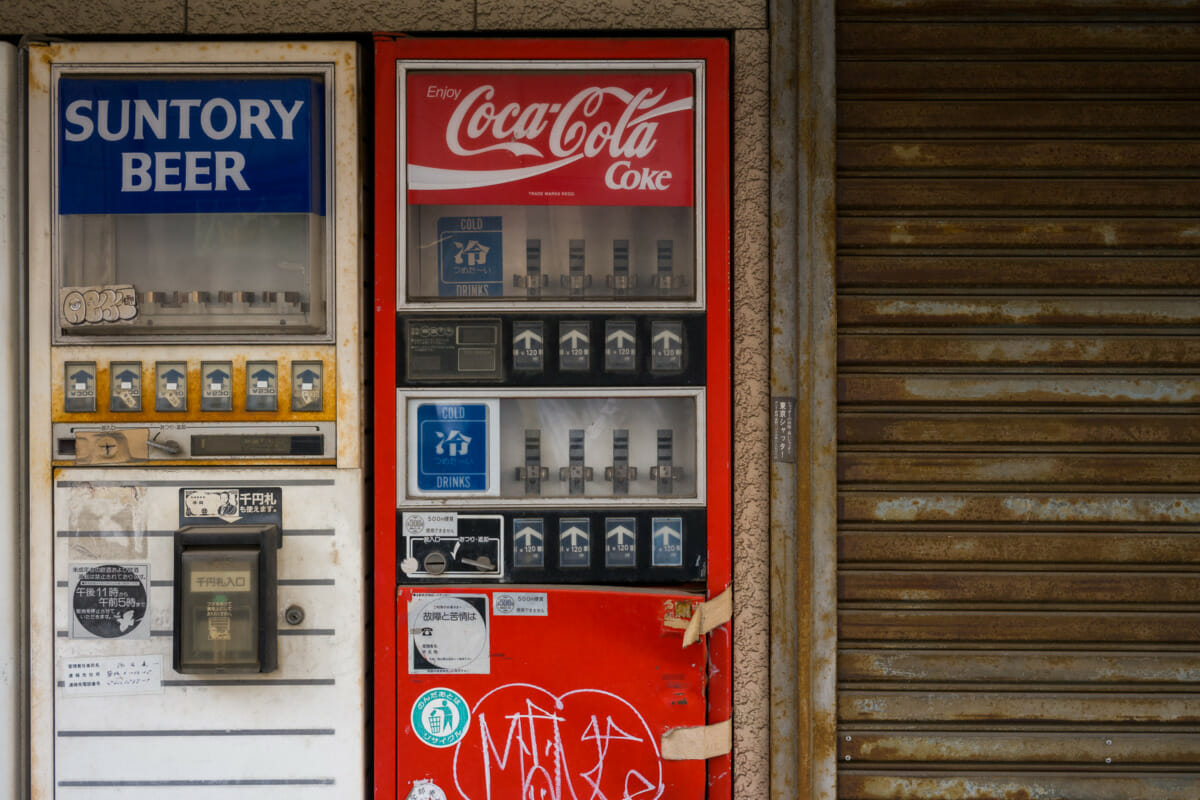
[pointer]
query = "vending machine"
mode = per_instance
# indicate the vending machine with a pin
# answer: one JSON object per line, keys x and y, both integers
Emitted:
{"x": 196, "y": 537}
{"x": 552, "y": 419}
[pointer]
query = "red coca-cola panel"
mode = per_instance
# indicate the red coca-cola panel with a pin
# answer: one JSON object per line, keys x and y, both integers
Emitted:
{"x": 555, "y": 695}
{"x": 551, "y": 137}
{"x": 569, "y": 699}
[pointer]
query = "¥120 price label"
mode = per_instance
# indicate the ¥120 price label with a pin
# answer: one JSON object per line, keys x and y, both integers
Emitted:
{"x": 97, "y": 305}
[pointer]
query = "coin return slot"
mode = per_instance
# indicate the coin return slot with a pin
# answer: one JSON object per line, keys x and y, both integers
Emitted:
{"x": 476, "y": 359}
{"x": 476, "y": 334}
{"x": 218, "y": 445}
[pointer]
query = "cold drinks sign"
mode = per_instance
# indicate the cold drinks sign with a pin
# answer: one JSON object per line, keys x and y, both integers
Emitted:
{"x": 188, "y": 145}
{"x": 546, "y": 138}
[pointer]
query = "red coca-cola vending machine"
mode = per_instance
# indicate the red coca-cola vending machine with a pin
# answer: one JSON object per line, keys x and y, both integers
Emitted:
{"x": 552, "y": 419}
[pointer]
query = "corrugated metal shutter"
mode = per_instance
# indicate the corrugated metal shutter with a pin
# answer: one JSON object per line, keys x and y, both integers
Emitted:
{"x": 1019, "y": 387}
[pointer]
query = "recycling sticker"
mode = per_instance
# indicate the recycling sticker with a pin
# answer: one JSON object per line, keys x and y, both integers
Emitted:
{"x": 440, "y": 717}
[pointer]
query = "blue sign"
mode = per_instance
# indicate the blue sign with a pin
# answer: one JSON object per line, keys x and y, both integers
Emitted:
{"x": 191, "y": 145}
{"x": 620, "y": 542}
{"x": 666, "y": 534}
{"x": 452, "y": 441}
{"x": 470, "y": 257}
{"x": 529, "y": 541}
{"x": 574, "y": 542}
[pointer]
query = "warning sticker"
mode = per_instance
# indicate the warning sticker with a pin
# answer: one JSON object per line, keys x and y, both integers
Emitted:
{"x": 109, "y": 601}
{"x": 448, "y": 633}
{"x": 521, "y": 604}
{"x": 430, "y": 523}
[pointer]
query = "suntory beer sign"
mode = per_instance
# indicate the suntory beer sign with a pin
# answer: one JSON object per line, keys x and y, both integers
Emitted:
{"x": 190, "y": 145}
{"x": 551, "y": 138}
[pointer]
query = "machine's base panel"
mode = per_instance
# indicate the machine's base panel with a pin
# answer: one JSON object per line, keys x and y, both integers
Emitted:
{"x": 545, "y": 692}
{"x": 126, "y": 724}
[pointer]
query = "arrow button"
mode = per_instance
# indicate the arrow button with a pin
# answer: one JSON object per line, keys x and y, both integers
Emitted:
{"x": 620, "y": 542}
{"x": 79, "y": 391}
{"x": 574, "y": 346}
{"x": 216, "y": 388}
{"x": 529, "y": 542}
{"x": 574, "y": 542}
{"x": 529, "y": 346}
{"x": 666, "y": 346}
{"x": 620, "y": 346}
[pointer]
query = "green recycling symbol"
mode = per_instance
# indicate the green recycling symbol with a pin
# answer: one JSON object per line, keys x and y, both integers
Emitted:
{"x": 440, "y": 717}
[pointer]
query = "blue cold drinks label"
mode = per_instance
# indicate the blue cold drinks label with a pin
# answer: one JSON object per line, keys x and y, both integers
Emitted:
{"x": 470, "y": 257}
{"x": 452, "y": 442}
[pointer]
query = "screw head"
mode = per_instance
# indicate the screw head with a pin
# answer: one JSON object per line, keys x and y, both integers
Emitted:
{"x": 294, "y": 615}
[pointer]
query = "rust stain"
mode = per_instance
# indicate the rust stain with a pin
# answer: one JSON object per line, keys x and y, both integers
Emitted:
{"x": 1018, "y": 507}
{"x": 912, "y": 508}
{"x": 982, "y": 310}
{"x": 1012, "y": 586}
{"x": 907, "y": 153}
{"x": 1157, "y": 390}
{"x": 1017, "y": 366}
{"x": 1031, "y": 233}
{"x": 283, "y": 357}
{"x": 890, "y": 349}
{"x": 914, "y": 428}
{"x": 1032, "y": 468}
{"x": 900, "y": 235}
{"x": 1019, "y": 546}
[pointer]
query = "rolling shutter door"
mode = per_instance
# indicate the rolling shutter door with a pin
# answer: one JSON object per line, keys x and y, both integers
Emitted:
{"x": 1019, "y": 387}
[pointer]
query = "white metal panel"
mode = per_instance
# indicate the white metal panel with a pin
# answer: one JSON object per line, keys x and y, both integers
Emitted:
{"x": 299, "y": 727}
{"x": 12, "y": 701}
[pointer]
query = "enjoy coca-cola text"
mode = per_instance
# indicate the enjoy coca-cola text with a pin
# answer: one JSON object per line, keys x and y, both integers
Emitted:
{"x": 574, "y": 128}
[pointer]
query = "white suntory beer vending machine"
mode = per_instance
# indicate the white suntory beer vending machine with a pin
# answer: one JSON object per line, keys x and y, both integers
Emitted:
{"x": 196, "y": 544}
{"x": 552, "y": 364}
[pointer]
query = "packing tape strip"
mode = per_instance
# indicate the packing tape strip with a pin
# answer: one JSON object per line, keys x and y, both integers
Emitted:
{"x": 698, "y": 744}
{"x": 709, "y": 615}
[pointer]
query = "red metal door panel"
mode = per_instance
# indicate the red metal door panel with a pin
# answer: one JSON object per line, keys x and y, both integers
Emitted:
{"x": 566, "y": 693}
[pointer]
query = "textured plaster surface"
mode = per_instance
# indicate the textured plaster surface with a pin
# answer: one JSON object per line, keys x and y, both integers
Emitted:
{"x": 751, "y": 501}
{"x": 118, "y": 17}
{"x": 323, "y": 16}
{"x": 620, "y": 14}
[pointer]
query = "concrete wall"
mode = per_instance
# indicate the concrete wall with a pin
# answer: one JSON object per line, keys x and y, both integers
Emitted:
{"x": 745, "y": 21}
{"x": 244, "y": 17}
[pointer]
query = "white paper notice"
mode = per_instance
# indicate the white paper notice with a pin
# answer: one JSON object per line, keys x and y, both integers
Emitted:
{"x": 441, "y": 524}
{"x": 520, "y": 604}
{"x": 100, "y": 675}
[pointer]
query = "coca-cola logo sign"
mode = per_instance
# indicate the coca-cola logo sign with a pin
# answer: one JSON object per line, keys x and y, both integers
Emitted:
{"x": 544, "y": 138}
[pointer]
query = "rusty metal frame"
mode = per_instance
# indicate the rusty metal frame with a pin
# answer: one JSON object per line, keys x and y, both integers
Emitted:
{"x": 803, "y": 363}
